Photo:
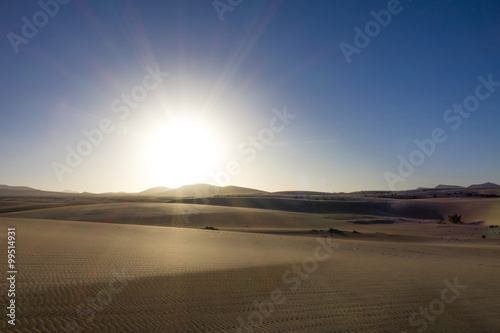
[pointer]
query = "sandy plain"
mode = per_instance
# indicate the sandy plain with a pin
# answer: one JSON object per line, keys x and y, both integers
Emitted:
{"x": 152, "y": 267}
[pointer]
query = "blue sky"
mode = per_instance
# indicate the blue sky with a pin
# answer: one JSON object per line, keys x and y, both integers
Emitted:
{"x": 228, "y": 79}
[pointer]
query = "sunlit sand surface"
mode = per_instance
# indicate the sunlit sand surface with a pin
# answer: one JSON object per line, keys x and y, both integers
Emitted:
{"x": 170, "y": 279}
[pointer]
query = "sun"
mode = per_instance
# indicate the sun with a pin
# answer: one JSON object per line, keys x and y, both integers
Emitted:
{"x": 182, "y": 151}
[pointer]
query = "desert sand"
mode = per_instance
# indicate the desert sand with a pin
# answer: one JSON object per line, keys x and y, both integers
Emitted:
{"x": 85, "y": 266}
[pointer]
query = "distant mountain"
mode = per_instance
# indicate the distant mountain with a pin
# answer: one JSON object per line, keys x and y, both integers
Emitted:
{"x": 16, "y": 188}
{"x": 484, "y": 186}
{"x": 197, "y": 190}
{"x": 201, "y": 190}
{"x": 155, "y": 190}
{"x": 447, "y": 187}
{"x": 206, "y": 190}
{"x": 24, "y": 191}
{"x": 114, "y": 194}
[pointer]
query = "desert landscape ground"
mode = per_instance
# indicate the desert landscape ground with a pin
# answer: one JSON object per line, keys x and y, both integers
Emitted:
{"x": 279, "y": 262}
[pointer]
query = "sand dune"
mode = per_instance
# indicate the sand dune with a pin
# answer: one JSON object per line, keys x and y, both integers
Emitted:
{"x": 472, "y": 210}
{"x": 476, "y": 209}
{"x": 186, "y": 280}
{"x": 390, "y": 221}
{"x": 177, "y": 215}
{"x": 151, "y": 267}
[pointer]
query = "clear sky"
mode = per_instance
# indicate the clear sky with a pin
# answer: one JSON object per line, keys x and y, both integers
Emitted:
{"x": 277, "y": 95}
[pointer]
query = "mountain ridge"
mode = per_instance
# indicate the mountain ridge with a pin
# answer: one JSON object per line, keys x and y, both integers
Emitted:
{"x": 201, "y": 190}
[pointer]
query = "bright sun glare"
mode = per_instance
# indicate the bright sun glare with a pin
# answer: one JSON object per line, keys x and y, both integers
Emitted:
{"x": 182, "y": 152}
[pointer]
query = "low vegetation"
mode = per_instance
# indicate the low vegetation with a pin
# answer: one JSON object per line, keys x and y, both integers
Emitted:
{"x": 455, "y": 219}
{"x": 210, "y": 228}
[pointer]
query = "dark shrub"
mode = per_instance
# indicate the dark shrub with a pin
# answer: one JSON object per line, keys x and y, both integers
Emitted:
{"x": 455, "y": 219}
{"x": 210, "y": 228}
